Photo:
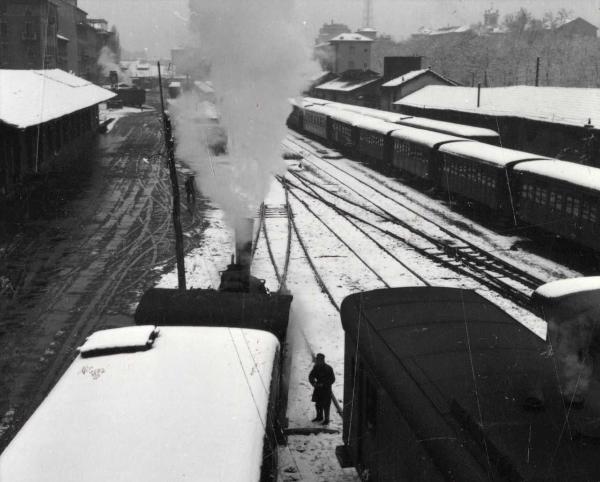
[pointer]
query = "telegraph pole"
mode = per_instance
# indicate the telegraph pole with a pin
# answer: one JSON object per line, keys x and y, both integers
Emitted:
{"x": 537, "y": 72}
{"x": 170, "y": 144}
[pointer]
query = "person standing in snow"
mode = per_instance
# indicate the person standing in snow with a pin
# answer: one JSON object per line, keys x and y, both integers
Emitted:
{"x": 190, "y": 193}
{"x": 321, "y": 377}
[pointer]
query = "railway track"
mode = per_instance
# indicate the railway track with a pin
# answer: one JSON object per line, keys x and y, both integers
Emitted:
{"x": 450, "y": 250}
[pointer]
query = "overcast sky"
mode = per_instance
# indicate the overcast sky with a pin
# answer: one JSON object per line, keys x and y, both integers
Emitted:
{"x": 159, "y": 25}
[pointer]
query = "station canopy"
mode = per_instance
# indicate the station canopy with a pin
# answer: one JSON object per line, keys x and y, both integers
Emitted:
{"x": 32, "y": 97}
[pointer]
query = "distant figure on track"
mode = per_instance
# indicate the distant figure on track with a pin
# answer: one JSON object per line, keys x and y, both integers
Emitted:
{"x": 321, "y": 377}
{"x": 190, "y": 193}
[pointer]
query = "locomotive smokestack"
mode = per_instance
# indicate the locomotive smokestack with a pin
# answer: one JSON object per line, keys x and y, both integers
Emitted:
{"x": 243, "y": 241}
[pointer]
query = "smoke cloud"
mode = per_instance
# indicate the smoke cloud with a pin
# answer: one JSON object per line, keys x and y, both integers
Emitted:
{"x": 107, "y": 61}
{"x": 258, "y": 61}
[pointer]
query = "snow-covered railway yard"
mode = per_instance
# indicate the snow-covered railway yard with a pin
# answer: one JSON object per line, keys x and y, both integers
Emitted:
{"x": 340, "y": 244}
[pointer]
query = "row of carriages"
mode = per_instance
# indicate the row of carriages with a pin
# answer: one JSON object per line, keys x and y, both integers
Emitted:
{"x": 466, "y": 162}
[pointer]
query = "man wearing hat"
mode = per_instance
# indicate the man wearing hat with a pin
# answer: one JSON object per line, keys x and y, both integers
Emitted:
{"x": 321, "y": 377}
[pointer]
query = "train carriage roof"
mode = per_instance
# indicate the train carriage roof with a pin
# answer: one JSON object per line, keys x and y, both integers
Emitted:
{"x": 192, "y": 406}
{"x": 460, "y": 130}
{"x": 449, "y": 358}
{"x": 424, "y": 137}
{"x": 569, "y": 172}
{"x": 347, "y": 117}
{"x": 482, "y": 152}
{"x": 376, "y": 125}
{"x": 375, "y": 113}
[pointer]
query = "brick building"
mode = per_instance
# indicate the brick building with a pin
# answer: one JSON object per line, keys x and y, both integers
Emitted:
{"x": 46, "y": 34}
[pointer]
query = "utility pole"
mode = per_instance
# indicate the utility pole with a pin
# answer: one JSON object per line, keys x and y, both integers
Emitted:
{"x": 537, "y": 72}
{"x": 170, "y": 144}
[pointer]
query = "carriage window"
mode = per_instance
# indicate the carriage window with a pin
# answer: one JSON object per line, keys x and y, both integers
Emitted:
{"x": 544, "y": 196}
{"x": 576, "y": 204}
{"x": 569, "y": 205}
{"x": 559, "y": 202}
{"x": 552, "y": 199}
{"x": 593, "y": 213}
{"x": 585, "y": 210}
{"x": 538, "y": 195}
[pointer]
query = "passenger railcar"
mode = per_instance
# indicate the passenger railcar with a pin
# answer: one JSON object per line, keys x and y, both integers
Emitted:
{"x": 460, "y": 130}
{"x": 316, "y": 121}
{"x": 415, "y": 151}
{"x": 149, "y": 403}
{"x": 480, "y": 172}
{"x": 560, "y": 197}
{"x": 442, "y": 385}
{"x": 344, "y": 133}
{"x": 373, "y": 139}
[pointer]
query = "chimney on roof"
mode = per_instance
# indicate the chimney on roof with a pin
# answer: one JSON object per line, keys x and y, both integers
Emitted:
{"x": 396, "y": 66}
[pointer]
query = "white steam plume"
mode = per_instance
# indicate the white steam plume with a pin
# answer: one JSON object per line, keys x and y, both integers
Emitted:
{"x": 259, "y": 60}
{"x": 107, "y": 61}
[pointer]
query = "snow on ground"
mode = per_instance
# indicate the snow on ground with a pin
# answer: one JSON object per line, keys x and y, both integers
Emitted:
{"x": 105, "y": 113}
{"x": 314, "y": 321}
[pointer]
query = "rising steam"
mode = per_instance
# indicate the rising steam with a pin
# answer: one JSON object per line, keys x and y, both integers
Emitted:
{"x": 107, "y": 61}
{"x": 258, "y": 60}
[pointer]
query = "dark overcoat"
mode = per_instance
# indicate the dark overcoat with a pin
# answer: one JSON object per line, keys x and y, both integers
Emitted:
{"x": 321, "y": 377}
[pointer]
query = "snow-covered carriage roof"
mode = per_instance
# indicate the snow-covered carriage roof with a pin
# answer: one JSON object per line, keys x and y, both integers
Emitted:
{"x": 480, "y": 151}
{"x": 460, "y": 130}
{"x": 375, "y": 113}
{"x": 425, "y": 137}
{"x": 570, "y": 286}
{"x": 192, "y": 407}
{"x": 376, "y": 125}
{"x": 569, "y": 172}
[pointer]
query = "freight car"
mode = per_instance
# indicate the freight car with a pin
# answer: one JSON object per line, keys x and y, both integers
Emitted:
{"x": 147, "y": 403}
{"x": 442, "y": 385}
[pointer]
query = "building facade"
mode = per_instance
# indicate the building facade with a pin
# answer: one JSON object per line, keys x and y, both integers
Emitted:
{"x": 47, "y": 34}
{"x": 28, "y": 34}
{"x": 351, "y": 51}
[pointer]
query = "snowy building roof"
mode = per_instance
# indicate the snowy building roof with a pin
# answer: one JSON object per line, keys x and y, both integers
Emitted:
{"x": 569, "y": 172}
{"x": 141, "y": 68}
{"x": 192, "y": 407}
{"x": 480, "y": 151}
{"x": 413, "y": 75}
{"x": 32, "y": 97}
{"x": 560, "y": 105}
{"x": 351, "y": 37}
